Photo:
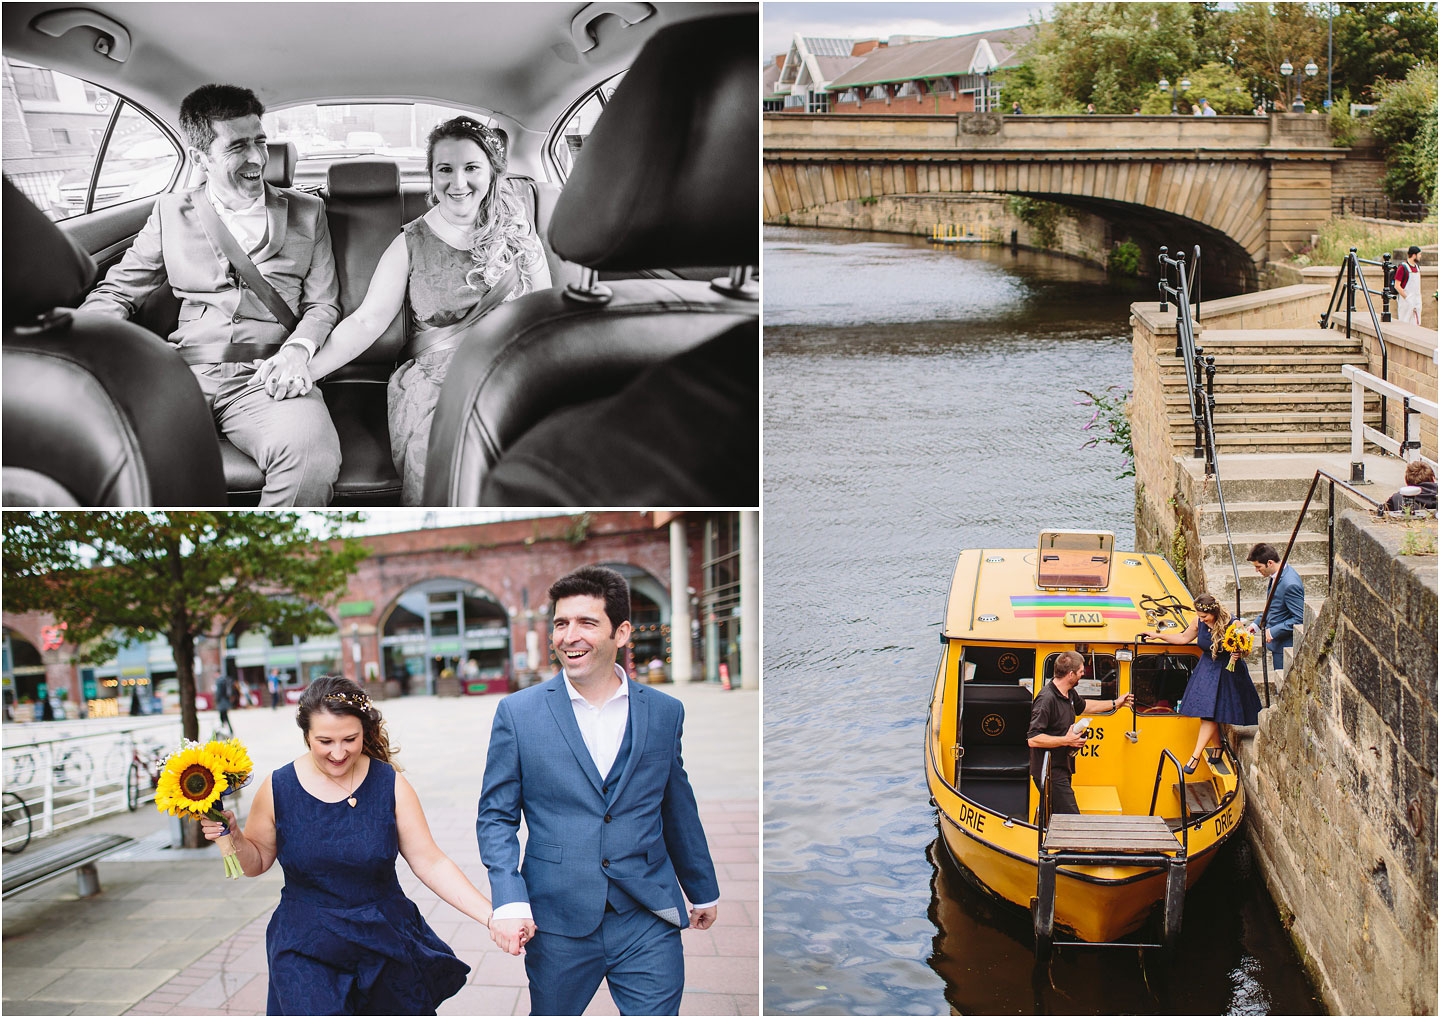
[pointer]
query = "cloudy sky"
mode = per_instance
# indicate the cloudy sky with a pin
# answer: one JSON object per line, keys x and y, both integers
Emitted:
{"x": 882, "y": 20}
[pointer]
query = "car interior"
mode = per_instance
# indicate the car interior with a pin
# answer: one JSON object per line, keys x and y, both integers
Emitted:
{"x": 648, "y": 339}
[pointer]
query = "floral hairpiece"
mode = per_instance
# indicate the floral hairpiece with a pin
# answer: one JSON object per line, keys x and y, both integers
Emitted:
{"x": 488, "y": 137}
{"x": 353, "y": 699}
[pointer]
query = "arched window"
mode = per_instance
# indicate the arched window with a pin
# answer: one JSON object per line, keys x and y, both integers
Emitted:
{"x": 447, "y": 628}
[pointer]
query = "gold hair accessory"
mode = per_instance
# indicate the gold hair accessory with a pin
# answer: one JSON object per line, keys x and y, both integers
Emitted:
{"x": 359, "y": 700}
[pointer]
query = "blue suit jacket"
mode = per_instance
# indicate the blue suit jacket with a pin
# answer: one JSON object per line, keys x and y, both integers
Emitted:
{"x": 642, "y": 830}
{"x": 1287, "y": 608}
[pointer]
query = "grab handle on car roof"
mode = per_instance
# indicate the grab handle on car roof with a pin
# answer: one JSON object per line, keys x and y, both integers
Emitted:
{"x": 580, "y": 25}
{"x": 114, "y": 41}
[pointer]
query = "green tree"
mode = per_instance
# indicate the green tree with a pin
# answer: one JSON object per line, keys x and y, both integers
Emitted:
{"x": 1267, "y": 35}
{"x": 119, "y": 576}
{"x": 1380, "y": 40}
{"x": 1111, "y": 54}
{"x": 1404, "y": 122}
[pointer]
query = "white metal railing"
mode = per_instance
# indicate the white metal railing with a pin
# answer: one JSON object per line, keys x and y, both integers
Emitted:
{"x": 70, "y": 772}
{"x": 1406, "y": 447}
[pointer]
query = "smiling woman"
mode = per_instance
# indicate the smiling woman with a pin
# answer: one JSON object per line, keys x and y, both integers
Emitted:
{"x": 333, "y": 145}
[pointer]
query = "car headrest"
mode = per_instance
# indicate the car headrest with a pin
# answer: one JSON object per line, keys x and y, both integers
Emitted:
{"x": 667, "y": 178}
{"x": 280, "y": 165}
{"x": 364, "y": 178}
{"x": 43, "y": 269}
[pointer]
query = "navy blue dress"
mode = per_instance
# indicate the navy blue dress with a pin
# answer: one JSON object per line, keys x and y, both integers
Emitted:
{"x": 1217, "y": 694}
{"x": 344, "y": 938}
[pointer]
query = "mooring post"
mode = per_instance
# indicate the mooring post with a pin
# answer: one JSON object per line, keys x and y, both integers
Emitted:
{"x": 1045, "y": 903}
{"x": 1174, "y": 899}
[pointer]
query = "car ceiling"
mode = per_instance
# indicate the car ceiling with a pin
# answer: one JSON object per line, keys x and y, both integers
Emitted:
{"x": 514, "y": 59}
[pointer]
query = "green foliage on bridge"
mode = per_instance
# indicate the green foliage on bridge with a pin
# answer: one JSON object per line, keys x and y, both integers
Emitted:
{"x": 1405, "y": 124}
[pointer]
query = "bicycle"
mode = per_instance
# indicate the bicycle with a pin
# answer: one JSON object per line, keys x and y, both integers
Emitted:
{"x": 15, "y": 823}
{"x": 143, "y": 775}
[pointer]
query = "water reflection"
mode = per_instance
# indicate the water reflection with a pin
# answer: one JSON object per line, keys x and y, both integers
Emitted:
{"x": 917, "y": 402}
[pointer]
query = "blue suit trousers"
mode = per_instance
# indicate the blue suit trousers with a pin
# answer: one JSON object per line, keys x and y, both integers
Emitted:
{"x": 635, "y": 951}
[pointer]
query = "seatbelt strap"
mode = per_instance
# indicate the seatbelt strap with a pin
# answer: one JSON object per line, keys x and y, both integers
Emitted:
{"x": 227, "y": 353}
{"x": 221, "y": 236}
{"x": 432, "y": 339}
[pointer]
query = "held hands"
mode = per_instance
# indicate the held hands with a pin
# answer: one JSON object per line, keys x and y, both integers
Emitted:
{"x": 703, "y": 918}
{"x": 510, "y": 935}
{"x": 213, "y": 830}
{"x": 285, "y": 374}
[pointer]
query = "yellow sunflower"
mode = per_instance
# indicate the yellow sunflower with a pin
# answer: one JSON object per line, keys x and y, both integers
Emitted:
{"x": 234, "y": 759}
{"x": 191, "y": 782}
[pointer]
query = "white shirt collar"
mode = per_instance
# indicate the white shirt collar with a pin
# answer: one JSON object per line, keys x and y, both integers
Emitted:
{"x": 623, "y": 691}
{"x": 258, "y": 205}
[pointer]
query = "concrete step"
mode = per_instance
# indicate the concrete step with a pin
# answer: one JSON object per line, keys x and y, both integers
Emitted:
{"x": 1241, "y": 489}
{"x": 1290, "y": 422}
{"x": 1253, "y": 586}
{"x": 1265, "y": 363}
{"x": 1325, "y": 442}
{"x": 1275, "y": 381}
{"x": 1256, "y": 517}
{"x": 1283, "y": 341}
{"x": 1309, "y": 548}
{"x": 1280, "y": 401}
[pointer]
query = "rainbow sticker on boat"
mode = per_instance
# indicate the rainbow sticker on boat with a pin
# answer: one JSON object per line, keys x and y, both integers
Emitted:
{"x": 1055, "y": 606}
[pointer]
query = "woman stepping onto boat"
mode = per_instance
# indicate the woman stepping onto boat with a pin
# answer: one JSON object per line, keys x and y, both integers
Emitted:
{"x": 1216, "y": 693}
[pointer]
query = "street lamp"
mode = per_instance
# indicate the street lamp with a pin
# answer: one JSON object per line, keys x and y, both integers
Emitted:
{"x": 1310, "y": 71}
{"x": 1165, "y": 87}
{"x": 1286, "y": 69}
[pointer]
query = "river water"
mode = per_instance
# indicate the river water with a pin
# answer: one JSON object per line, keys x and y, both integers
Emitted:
{"x": 918, "y": 401}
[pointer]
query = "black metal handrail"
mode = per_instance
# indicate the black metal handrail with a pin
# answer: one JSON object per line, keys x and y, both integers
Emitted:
{"x": 1202, "y": 401}
{"x": 1372, "y": 206}
{"x": 1354, "y": 279}
{"x": 1329, "y": 554}
{"x": 1044, "y": 817}
{"x": 1184, "y": 805}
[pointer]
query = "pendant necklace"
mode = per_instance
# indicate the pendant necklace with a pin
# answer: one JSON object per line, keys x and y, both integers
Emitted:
{"x": 350, "y": 791}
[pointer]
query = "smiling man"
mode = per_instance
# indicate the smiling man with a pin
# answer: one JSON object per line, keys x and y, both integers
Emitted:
{"x": 591, "y": 761}
{"x": 255, "y": 275}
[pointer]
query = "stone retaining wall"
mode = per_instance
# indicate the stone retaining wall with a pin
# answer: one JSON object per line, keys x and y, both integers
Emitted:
{"x": 1341, "y": 780}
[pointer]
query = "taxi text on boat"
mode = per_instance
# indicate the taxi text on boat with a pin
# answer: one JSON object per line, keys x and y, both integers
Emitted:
{"x": 1146, "y": 831}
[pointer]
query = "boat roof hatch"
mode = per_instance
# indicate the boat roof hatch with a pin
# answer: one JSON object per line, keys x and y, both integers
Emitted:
{"x": 1074, "y": 559}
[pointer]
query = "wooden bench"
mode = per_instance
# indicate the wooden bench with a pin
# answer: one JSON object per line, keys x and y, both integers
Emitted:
{"x": 79, "y": 854}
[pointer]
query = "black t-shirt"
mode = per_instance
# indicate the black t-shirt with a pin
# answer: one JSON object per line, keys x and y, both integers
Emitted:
{"x": 1052, "y": 714}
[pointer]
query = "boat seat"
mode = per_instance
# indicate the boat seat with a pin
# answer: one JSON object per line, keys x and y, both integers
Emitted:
{"x": 1097, "y": 798}
{"x": 984, "y": 761}
{"x": 995, "y": 716}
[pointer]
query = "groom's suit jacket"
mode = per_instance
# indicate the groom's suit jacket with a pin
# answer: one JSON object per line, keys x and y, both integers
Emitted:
{"x": 638, "y": 827}
{"x": 174, "y": 250}
{"x": 1287, "y": 608}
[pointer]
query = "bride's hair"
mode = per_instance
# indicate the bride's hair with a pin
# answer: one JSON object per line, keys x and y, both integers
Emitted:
{"x": 1210, "y": 606}
{"x": 503, "y": 236}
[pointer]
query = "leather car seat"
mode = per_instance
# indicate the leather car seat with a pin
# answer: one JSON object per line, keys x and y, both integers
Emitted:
{"x": 96, "y": 411}
{"x": 666, "y": 179}
{"x": 365, "y": 212}
{"x": 280, "y": 160}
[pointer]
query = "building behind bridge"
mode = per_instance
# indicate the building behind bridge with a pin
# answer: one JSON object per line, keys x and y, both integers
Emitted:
{"x": 901, "y": 75}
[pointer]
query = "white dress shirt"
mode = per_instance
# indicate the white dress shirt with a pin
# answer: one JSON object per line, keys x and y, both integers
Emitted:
{"x": 603, "y": 729}
{"x": 249, "y": 226}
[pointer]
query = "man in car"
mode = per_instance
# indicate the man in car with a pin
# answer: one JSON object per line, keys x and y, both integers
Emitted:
{"x": 225, "y": 326}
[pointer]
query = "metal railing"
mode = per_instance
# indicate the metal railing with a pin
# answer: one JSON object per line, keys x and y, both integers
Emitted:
{"x": 1412, "y": 405}
{"x": 1165, "y": 754}
{"x": 1381, "y": 207}
{"x": 1353, "y": 278}
{"x": 1329, "y": 554}
{"x": 1202, "y": 398}
{"x": 73, "y": 775}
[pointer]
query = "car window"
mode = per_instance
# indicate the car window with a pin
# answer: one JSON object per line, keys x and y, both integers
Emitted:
{"x": 56, "y": 150}
{"x": 574, "y": 128}
{"x": 330, "y": 133}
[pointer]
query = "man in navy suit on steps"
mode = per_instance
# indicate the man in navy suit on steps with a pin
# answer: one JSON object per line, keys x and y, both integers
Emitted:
{"x": 1287, "y": 607}
{"x": 591, "y": 761}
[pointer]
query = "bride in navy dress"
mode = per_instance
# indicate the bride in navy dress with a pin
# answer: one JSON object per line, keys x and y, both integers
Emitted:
{"x": 344, "y": 938}
{"x": 1215, "y": 693}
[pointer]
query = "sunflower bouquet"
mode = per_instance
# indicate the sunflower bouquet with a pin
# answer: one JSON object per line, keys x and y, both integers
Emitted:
{"x": 195, "y": 780}
{"x": 1237, "y": 640}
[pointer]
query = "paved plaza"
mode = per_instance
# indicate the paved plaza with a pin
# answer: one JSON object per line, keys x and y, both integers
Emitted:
{"x": 169, "y": 935}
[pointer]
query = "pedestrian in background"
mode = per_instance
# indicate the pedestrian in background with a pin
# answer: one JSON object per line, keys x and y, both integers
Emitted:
{"x": 222, "y": 701}
{"x": 1016, "y": 110}
{"x": 1407, "y": 285}
{"x": 274, "y": 688}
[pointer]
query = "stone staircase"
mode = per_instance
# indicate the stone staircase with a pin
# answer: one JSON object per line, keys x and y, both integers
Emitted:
{"x": 1276, "y": 390}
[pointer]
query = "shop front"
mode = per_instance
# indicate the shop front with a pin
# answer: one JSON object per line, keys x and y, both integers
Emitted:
{"x": 253, "y": 652}
{"x": 446, "y": 629}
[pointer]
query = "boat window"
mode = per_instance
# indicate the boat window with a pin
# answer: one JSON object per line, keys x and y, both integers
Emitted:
{"x": 1158, "y": 681}
{"x": 1101, "y": 681}
{"x": 1000, "y": 666}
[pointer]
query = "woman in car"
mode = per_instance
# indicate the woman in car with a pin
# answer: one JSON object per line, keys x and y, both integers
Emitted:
{"x": 473, "y": 250}
{"x": 345, "y": 939}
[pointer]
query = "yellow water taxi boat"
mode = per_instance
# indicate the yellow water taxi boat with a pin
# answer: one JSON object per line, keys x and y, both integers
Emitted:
{"x": 1146, "y": 831}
